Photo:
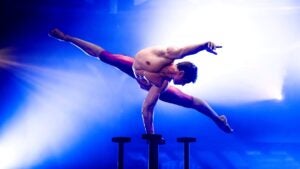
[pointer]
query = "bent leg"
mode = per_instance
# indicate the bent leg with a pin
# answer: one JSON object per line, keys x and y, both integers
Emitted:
{"x": 122, "y": 62}
{"x": 176, "y": 96}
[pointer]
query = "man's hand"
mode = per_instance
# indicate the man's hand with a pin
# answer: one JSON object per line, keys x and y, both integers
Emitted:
{"x": 211, "y": 47}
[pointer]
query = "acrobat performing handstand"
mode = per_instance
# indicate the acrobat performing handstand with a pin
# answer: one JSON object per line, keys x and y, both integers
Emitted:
{"x": 153, "y": 68}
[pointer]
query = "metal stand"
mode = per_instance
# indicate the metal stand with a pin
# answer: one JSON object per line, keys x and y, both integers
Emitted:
{"x": 121, "y": 141}
{"x": 186, "y": 141}
{"x": 153, "y": 140}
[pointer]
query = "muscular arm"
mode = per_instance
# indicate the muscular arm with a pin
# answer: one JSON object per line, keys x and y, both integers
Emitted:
{"x": 149, "y": 104}
{"x": 178, "y": 53}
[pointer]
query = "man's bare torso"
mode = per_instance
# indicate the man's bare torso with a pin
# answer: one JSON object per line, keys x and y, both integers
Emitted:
{"x": 151, "y": 59}
{"x": 149, "y": 66}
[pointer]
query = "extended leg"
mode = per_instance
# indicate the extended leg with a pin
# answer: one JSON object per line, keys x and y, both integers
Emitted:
{"x": 175, "y": 96}
{"x": 122, "y": 62}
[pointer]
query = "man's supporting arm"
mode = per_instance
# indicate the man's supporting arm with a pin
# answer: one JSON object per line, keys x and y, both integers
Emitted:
{"x": 149, "y": 104}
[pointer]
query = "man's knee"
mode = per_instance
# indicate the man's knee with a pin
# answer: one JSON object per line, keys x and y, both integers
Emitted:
{"x": 103, "y": 55}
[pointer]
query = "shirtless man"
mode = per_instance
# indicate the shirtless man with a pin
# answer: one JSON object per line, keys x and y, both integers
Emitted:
{"x": 154, "y": 68}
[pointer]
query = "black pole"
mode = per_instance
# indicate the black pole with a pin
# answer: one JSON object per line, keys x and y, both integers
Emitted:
{"x": 186, "y": 141}
{"x": 153, "y": 140}
{"x": 121, "y": 141}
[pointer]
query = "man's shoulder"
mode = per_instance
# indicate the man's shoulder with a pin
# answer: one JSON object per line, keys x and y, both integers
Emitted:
{"x": 155, "y": 48}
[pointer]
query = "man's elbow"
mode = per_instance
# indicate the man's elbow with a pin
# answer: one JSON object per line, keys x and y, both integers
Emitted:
{"x": 148, "y": 108}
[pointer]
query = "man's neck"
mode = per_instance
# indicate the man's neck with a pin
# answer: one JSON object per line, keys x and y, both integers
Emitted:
{"x": 169, "y": 71}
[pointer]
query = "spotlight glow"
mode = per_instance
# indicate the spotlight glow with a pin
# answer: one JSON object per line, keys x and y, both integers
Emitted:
{"x": 253, "y": 62}
{"x": 56, "y": 112}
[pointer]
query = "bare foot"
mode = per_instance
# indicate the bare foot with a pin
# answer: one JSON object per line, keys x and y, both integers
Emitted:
{"x": 223, "y": 124}
{"x": 56, "y": 33}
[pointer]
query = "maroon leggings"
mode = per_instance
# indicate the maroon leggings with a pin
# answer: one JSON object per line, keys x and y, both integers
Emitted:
{"x": 124, "y": 63}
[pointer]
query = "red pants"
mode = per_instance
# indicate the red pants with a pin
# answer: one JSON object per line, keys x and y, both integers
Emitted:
{"x": 124, "y": 63}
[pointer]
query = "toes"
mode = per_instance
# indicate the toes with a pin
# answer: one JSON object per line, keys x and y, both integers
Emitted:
{"x": 225, "y": 125}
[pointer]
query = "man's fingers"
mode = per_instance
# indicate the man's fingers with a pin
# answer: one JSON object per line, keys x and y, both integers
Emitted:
{"x": 213, "y": 52}
{"x": 211, "y": 47}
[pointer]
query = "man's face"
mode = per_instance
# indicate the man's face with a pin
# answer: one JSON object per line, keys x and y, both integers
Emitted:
{"x": 179, "y": 79}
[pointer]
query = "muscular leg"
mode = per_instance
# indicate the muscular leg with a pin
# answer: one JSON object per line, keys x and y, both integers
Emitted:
{"x": 176, "y": 96}
{"x": 124, "y": 63}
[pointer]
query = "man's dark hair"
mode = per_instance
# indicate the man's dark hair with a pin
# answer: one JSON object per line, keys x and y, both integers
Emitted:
{"x": 190, "y": 71}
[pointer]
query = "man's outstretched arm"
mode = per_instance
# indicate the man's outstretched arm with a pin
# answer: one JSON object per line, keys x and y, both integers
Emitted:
{"x": 181, "y": 52}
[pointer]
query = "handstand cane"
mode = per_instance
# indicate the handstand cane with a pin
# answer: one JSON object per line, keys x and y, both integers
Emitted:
{"x": 186, "y": 141}
{"x": 121, "y": 141}
{"x": 153, "y": 140}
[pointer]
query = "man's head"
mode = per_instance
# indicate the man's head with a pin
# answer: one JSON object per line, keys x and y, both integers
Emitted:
{"x": 187, "y": 73}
